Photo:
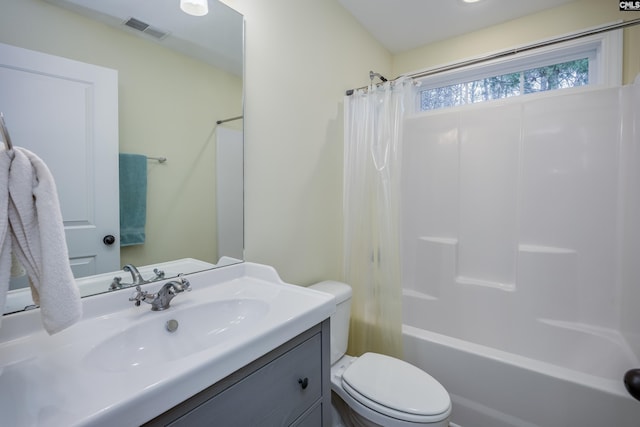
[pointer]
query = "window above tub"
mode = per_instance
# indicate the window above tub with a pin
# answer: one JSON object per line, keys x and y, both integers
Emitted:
{"x": 587, "y": 61}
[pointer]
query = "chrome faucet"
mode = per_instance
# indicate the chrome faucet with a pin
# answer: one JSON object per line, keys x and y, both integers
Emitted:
{"x": 136, "y": 277}
{"x": 160, "y": 300}
{"x": 135, "y": 274}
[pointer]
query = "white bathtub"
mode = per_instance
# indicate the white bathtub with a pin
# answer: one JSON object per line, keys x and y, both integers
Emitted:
{"x": 495, "y": 388}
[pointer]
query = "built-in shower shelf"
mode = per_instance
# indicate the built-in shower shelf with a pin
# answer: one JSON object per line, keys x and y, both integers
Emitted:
{"x": 463, "y": 280}
{"x": 441, "y": 260}
{"x": 441, "y": 240}
{"x": 539, "y": 249}
{"x": 419, "y": 295}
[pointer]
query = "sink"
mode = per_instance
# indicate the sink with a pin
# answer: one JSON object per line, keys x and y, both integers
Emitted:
{"x": 233, "y": 316}
{"x": 150, "y": 342}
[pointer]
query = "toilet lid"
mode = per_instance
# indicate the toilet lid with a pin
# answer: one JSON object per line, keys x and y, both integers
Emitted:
{"x": 394, "y": 385}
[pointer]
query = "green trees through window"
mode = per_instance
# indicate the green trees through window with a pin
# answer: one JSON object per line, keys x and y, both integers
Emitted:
{"x": 540, "y": 79}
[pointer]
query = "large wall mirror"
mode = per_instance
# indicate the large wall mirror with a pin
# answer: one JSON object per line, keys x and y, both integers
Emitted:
{"x": 179, "y": 97}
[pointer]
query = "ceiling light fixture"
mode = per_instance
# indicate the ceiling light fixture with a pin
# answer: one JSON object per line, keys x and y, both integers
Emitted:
{"x": 470, "y": 1}
{"x": 195, "y": 7}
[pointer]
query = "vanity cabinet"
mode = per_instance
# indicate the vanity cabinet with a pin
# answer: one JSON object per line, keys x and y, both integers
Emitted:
{"x": 289, "y": 386}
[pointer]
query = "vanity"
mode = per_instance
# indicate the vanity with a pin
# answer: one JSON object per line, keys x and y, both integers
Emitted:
{"x": 241, "y": 348}
{"x": 283, "y": 388}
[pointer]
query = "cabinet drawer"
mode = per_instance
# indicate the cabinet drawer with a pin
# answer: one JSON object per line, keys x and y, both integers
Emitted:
{"x": 274, "y": 395}
{"x": 312, "y": 419}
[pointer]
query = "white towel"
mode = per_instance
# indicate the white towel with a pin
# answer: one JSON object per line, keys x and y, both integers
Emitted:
{"x": 39, "y": 241}
{"x": 5, "y": 239}
{"x": 16, "y": 268}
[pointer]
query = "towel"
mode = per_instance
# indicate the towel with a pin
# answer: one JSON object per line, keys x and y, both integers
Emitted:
{"x": 5, "y": 238}
{"x": 39, "y": 241}
{"x": 16, "y": 268}
{"x": 133, "y": 198}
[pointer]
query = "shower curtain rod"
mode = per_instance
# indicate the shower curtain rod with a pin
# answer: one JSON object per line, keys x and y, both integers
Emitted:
{"x": 510, "y": 52}
{"x": 219, "y": 122}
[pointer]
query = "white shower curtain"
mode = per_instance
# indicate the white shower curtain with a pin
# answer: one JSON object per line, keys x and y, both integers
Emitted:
{"x": 373, "y": 132}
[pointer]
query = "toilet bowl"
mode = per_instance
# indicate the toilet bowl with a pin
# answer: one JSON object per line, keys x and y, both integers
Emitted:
{"x": 375, "y": 389}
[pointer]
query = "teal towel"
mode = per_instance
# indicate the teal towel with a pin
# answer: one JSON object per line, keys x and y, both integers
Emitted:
{"x": 133, "y": 198}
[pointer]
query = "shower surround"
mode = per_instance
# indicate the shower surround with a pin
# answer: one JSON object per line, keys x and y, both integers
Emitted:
{"x": 520, "y": 249}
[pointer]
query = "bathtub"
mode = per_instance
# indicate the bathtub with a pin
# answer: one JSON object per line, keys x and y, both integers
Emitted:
{"x": 519, "y": 248}
{"x": 544, "y": 373}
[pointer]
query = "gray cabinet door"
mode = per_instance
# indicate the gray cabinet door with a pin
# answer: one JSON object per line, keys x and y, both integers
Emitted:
{"x": 275, "y": 395}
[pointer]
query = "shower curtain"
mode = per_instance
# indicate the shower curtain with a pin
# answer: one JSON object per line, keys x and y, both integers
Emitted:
{"x": 373, "y": 132}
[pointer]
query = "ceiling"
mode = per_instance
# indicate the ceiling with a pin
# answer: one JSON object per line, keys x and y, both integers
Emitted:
{"x": 400, "y": 25}
{"x": 216, "y": 38}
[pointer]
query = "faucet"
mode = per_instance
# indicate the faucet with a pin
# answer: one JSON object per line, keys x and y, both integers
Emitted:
{"x": 136, "y": 277}
{"x": 160, "y": 300}
{"x": 135, "y": 274}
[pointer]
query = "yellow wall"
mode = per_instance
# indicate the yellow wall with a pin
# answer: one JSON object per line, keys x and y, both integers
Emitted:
{"x": 168, "y": 105}
{"x": 301, "y": 56}
{"x": 572, "y": 17}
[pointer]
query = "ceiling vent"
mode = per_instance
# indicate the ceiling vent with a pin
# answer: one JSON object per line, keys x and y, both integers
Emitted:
{"x": 143, "y": 27}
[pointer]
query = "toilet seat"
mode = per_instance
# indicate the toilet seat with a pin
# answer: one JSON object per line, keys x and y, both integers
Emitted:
{"x": 396, "y": 389}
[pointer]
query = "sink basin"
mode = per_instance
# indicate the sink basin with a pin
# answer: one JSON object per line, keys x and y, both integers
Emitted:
{"x": 196, "y": 328}
{"x": 233, "y": 316}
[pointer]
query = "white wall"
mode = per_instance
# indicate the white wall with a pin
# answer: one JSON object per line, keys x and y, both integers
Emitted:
{"x": 571, "y": 17}
{"x": 301, "y": 55}
{"x": 520, "y": 196}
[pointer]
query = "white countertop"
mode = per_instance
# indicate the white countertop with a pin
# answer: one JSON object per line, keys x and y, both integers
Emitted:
{"x": 52, "y": 381}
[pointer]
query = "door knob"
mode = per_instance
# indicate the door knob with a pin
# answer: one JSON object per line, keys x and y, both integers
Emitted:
{"x": 109, "y": 239}
{"x": 304, "y": 382}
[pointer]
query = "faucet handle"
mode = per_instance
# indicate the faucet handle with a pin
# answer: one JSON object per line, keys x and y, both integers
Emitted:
{"x": 159, "y": 274}
{"x": 116, "y": 283}
{"x": 186, "y": 285}
{"x": 138, "y": 296}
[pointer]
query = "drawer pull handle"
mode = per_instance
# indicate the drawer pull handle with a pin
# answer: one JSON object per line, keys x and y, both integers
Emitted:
{"x": 304, "y": 382}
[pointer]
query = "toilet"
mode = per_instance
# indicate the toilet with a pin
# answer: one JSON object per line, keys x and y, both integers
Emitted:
{"x": 377, "y": 390}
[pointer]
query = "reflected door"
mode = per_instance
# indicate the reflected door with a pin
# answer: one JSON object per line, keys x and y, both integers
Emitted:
{"x": 66, "y": 112}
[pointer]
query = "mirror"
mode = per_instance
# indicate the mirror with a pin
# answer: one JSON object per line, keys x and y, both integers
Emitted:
{"x": 176, "y": 80}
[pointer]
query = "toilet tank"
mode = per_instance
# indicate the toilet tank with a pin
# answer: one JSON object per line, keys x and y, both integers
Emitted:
{"x": 340, "y": 319}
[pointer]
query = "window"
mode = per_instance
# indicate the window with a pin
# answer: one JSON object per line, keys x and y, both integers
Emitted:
{"x": 589, "y": 61}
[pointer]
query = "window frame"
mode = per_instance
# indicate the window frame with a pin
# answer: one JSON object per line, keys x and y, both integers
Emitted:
{"x": 604, "y": 51}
